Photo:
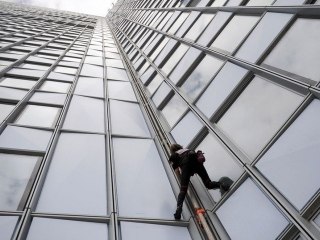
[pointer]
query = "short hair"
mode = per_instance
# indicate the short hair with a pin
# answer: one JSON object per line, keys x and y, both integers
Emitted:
{"x": 175, "y": 147}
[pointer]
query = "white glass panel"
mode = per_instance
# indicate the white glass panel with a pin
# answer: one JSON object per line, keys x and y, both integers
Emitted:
{"x": 117, "y": 74}
{"x": 93, "y": 60}
{"x": 15, "y": 172}
{"x": 90, "y": 87}
{"x": 114, "y": 63}
{"x": 41, "y": 116}
{"x": 248, "y": 214}
{"x": 92, "y": 71}
{"x": 288, "y": 2}
{"x": 165, "y": 50}
{"x": 50, "y": 98}
{"x": 7, "y": 226}
{"x": 200, "y": 76}
{"x": 86, "y": 114}
{"x": 183, "y": 133}
{"x": 199, "y": 26}
{"x": 219, "y": 162}
{"x": 317, "y": 220}
{"x": 17, "y": 83}
{"x": 257, "y": 114}
{"x": 234, "y": 32}
{"x": 174, "y": 110}
{"x": 76, "y": 181}
{"x": 143, "y": 231}
{"x": 127, "y": 119}
{"x": 55, "y": 86}
{"x": 302, "y": 60}
{"x": 174, "y": 58}
{"x": 161, "y": 93}
{"x": 24, "y": 138}
{"x": 291, "y": 164}
{"x": 139, "y": 172}
{"x": 234, "y": 2}
{"x": 259, "y": 2}
{"x": 178, "y": 22}
{"x": 155, "y": 83}
{"x": 221, "y": 86}
{"x": 67, "y": 70}
{"x": 60, "y": 77}
{"x": 121, "y": 90}
{"x": 263, "y": 35}
{"x": 53, "y": 229}
{"x": 13, "y": 94}
{"x": 5, "y": 109}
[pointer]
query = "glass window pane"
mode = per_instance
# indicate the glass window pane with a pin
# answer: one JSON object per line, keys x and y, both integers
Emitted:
{"x": 92, "y": 71}
{"x": 93, "y": 60}
{"x": 317, "y": 220}
{"x": 25, "y": 138}
{"x": 234, "y": 32}
{"x": 303, "y": 60}
{"x": 143, "y": 231}
{"x": 248, "y": 214}
{"x": 219, "y": 89}
{"x": 178, "y": 22}
{"x": 174, "y": 110}
{"x": 15, "y": 173}
{"x": 65, "y": 70}
{"x": 257, "y": 114}
{"x": 117, "y": 74}
{"x": 155, "y": 83}
{"x": 174, "y": 59}
{"x": 48, "y": 98}
{"x": 12, "y": 94}
{"x": 127, "y": 119}
{"x": 114, "y": 63}
{"x": 263, "y": 35}
{"x": 5, "y": 109}
{"x": 183, "y": 133}
{"x": 219, "y": 162}
{"x": 121, "y": 90}
{"x": 7, "y": 226}
{"x": 17, "y": 83}
{"x": 92, "y": 87}
{"x": 200, "y": 76}
{"x": 145, "y": 163}
{"x": 161, "y": 93}
{"x": 76, "y": 181}
{"x": 199, "y": 26}
{"x": 186, "y": 62}
{"x": 295, "y": 154}
{"x": 52, "y": 86}
{"x": 259, "y": 2}
{"x": 288, "y": 2}
{"x": 85, "y": 114}
{"x": 41, "y": 116}
{"x": 54, "y": 229}
{"x": 60, "y": 77}
{"x": 164, "y": 53}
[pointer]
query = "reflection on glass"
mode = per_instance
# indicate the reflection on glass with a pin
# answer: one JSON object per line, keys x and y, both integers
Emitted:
{"x": 259, "y": 2}
{"x": 117, "y": 74}
{"x": 41, "y": 116}
{"x": 178, "y": 22}
{"x": 200, "y": 76}
{"x": 52, "y": 86}
{"x": 219, "y": 162}
{"x": 291, "y": 164}
{"x": 49, "y": 98}
{"x": 263, "y": 35}
{"x": 174, "y": 58}
{"x": 15, "y": 173}
{"x": 288, "y": 2}
{"x": 165, "y": 50}
{"x": 54, "y": 229}
{"x": 5, "y": 109}
{"x": 174, "y": 110}
{"x": 302, "y": 60}
{"x": 248, "y": 214}
{"x": 236, "y": 30}
{"x": 183, "y": 133}
{"x": 7, "y": 226}
{"x": 257, "y": 114}
{"x": 155, "y": 83}
{"x": 92, "y": 87}
{"x": 161, "y": 94}
{"x": 219, "y": 89}
{"x": 121, "y": 90}
{"x": 17, "y": 83}
{"x": 199, "y": 26}
{"x": 92, "y": 70}
{"x": 218, "y": 3}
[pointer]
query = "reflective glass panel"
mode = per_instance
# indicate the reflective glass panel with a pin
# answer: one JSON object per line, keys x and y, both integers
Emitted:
{"x": 15, "y": 173}
{"x": 127, "y": 119}
{"x": 161, "y": 93}
{"x": 174, "y": 58}
{"x": 288, "y": 2}
{"x": 76, "y": 181}
{"x": 5, "y": 109}
{"x": 199, "y": 26}
{"x": 248, "y": 214}
{"x": 7, "y": 226}
{"x": 92, "y": 87}
{"x": 92, "y": 71}
{"x": 49, "y": 98}
{"x": 303, "y": 60}
{"x": 13, "y": 94}
{"x": 17, "y": 83}
{"x": 200, "y": 76}
{"x": 135, "y": 161}
{"x": 155, "y": 83}
{"x": 53, "y": 229}
{"x": 234, "y": 32}
{"x": 219, "y": 89}
{"x": 259, "y": 2}
{"x": 52, "y": 86}
{"x": 85, "y": 114}
{"x": 291, "y": 164}
{"x": 121, "y": 90}
{"x": 41, "y": 116}
{"x": 117, "y": 74}
{"x": 257, "y": 114}
{"x": 174, "y": 110}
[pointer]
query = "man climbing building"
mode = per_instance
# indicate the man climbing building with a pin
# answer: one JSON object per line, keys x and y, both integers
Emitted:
{"x": 186, "y": 163}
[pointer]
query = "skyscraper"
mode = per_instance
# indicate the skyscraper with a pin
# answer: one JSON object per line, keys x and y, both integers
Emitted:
{"x": 89, "y": 106}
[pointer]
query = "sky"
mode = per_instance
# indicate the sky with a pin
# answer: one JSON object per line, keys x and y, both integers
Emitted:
{"x": 94, "y": 7}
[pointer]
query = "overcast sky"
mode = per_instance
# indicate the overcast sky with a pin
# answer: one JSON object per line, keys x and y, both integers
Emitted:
{"x": 94, "y": 7}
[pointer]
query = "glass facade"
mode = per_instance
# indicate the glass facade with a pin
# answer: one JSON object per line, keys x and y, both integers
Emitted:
{"x": 89, "y": 106}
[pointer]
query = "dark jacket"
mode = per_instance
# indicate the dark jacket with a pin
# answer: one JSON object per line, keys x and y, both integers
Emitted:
{"x": 184, "y": 158}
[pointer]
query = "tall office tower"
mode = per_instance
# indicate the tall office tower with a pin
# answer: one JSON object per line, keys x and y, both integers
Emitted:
{"x": 89, "y": 106}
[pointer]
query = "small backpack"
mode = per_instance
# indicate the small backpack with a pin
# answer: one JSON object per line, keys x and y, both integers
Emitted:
{"x": 200, "y": 156}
